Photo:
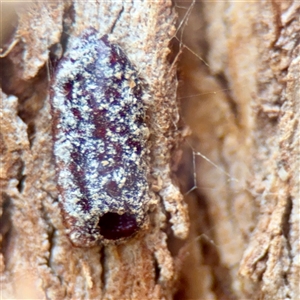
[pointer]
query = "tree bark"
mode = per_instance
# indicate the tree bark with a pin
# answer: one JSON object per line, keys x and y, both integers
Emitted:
{"x": 239, "y": 95}
{"x": 38, "y": 261}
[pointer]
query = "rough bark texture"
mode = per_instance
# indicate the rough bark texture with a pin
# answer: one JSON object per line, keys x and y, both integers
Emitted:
{"x": 242, "y": 104}
{"x": 239, "y": 91}
{"x": 37, "y": 259}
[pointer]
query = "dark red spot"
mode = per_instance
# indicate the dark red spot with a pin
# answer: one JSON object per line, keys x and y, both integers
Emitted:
{"x": 135, "y": 144}
{"x": 99, "y": 120}
{"x": 85, "y": 205}
{"x": 99, "y": 116}
{"x": 68, "y": 88}
{"x": 76, "y": 158}
{"x": 117, "y": 56}
{"x": 113, "y": 58}
{"x": 110, "y": 92}
{"x": 78, "y": 77}
{"x": 73, "y": 167}
{"x": 118, "y": 148}
{"x": 124, "y": 112}
{"x": 99, "y": 132}
{"x": 114, "y": 226}
{"x": 112, "y": 189}
{"x": 100, "y": 156}
{"x": 76, "y": 112}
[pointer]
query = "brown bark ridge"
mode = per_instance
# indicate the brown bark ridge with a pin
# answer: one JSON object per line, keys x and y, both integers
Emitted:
{"x": 240, "y": 96}
{"x": 239, "y": 92}
{"x": 37, "y": 259}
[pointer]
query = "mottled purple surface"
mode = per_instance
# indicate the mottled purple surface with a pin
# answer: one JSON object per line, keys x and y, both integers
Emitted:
{"x": 100, "y": 138}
